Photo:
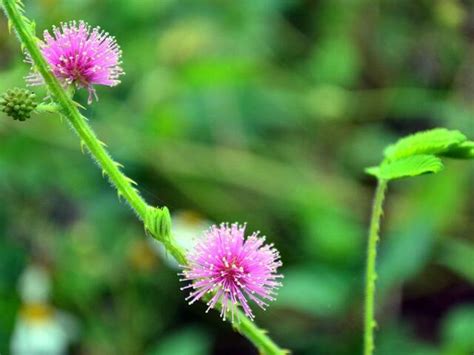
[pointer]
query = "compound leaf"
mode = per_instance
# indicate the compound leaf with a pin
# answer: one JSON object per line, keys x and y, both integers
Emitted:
{"x": 435, "y": 141}
{"x": 465, "y": 150}
{"x": 410, "y": 166}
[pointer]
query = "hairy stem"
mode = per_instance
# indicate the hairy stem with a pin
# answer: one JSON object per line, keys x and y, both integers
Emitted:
{"x": 69, "y": 109}
{"x": 371, "y": 275}
{"x": 257, "y": 336}
{"x": 124, "y": 185}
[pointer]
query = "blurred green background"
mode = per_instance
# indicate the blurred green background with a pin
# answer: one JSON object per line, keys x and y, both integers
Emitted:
{"x": 264, "y": 111}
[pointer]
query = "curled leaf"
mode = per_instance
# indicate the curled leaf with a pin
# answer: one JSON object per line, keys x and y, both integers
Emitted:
{"x": 158, "y": 223}
{"x": 435, "y": 141}
{"x": 406, "y": 167}
{"x": 465, "y": 150}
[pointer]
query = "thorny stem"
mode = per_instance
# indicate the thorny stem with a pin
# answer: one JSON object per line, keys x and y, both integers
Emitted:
{"x": 371, "y": 275}
{"x": 124, "y": 185}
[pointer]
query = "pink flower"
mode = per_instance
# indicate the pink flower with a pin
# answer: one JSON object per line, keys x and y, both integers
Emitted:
{"x": 233, "y": 269}
{"x": 80, "y": 56}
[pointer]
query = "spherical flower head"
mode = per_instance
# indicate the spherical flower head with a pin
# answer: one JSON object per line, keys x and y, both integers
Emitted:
{"x": 234, "y": 269}
{"x": 81, "y": 56}
{"x": 18, "y": 103}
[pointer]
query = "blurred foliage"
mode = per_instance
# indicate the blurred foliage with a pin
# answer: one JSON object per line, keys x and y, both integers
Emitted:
{"x": 258, "y": 111}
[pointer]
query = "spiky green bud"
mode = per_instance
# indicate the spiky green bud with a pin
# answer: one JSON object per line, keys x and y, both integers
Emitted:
{"x": 18, "y": 103}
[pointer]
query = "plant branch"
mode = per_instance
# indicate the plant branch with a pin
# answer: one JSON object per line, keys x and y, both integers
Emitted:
{"x": 156, "y": 221}
{"x": 371, "y": 275}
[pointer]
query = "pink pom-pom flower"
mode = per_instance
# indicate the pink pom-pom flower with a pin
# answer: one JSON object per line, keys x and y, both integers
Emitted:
{"x": 81, "y": 56}
{"x": 233, "y": 269}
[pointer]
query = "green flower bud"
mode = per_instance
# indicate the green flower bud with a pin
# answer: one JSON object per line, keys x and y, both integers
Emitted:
{"x": 158, "y": 223}
{"x": 18, "y": 103}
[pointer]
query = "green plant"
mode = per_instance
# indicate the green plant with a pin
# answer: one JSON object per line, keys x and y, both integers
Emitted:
{"x": 156, "y": 221}
{"x": 413, "y": 155}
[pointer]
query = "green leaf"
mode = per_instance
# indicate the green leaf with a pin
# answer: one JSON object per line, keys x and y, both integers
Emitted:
{"x": 458, "y": 255}
{"x": 464, "y": 150}
{"x": 20, "y": 5}
{"x": 191, "y": 341}
{"x": 435, "y": 141}
{"x": 303, "y": 292}
{"x": 456, "y": 330}
{"x": 410, "y": 166}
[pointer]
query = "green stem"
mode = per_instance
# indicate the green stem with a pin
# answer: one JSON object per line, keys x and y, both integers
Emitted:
{"x": 257, "y": 336}
{"x": 69, "y": 109}
{"x": 123, "y": 184}
{"x": 371, "y": 275}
